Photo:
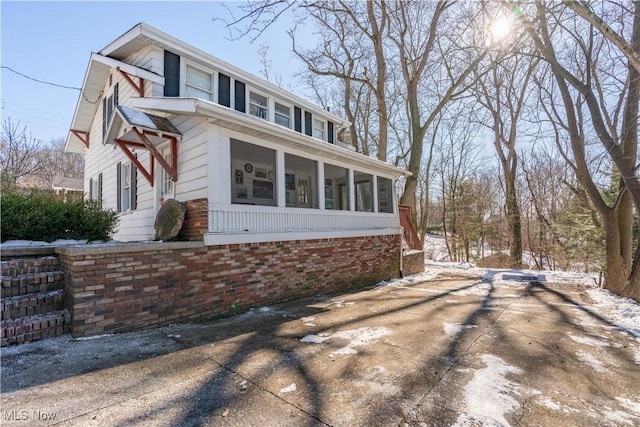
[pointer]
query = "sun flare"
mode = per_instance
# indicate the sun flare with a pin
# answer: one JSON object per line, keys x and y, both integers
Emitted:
{"x": 500, "y": 28}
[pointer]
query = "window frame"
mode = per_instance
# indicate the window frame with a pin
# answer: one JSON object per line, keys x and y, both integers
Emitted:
{"x": 276, "y": 113}
{"x": 259, "y": 107}
{"x": 316, "y": 130}
{"x": 165, "y": 178}
{"x": 212, "y": 74}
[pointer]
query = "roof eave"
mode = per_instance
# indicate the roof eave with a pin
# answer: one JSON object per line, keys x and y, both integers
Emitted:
{"x": 213, "y": 110}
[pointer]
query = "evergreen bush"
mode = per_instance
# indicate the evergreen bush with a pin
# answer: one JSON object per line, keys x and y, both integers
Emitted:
{"x": 41, "y": 216}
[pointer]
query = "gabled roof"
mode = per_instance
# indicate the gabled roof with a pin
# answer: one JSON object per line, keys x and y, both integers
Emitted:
{"x": 91, "y": 95}
{"x": 143, "y": 35}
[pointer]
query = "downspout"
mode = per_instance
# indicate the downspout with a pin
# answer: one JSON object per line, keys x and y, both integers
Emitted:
{"x": 401, "y": 251}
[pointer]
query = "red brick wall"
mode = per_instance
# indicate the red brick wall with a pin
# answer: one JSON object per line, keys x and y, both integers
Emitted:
{"x": 196, "y": 220}
{"x": 135, "y": 286}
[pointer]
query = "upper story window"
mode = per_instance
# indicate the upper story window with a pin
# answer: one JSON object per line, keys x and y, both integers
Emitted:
{"x": 109, "y": 104}
{"x": 318, "y": 129}
{"x": 283, "y": 115}
{"x": 198, "y": 83}
{"x": 258, "y": 105}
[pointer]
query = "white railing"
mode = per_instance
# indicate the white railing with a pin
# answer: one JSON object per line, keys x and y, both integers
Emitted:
{"x": 262, "y": 219}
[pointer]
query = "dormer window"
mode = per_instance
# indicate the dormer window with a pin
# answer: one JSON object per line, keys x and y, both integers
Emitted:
{"x": 258, "y": 105}
{"x": 198, "y": 84}
{"x": 318, "y": 129}
{"x": 283, "y": 115}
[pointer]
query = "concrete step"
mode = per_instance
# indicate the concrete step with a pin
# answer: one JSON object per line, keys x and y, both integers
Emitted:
{"x": 34, "y": 327}
{"x": 27, "y": 305}
{"x": 30, "y": 283}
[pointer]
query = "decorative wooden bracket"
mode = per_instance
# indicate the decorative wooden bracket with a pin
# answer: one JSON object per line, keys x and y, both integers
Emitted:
{"x": 82, "y": 136}
{"x": 146, "y": 144}
{"x": 124, "y": 146}
{"x": 139, "y": 87}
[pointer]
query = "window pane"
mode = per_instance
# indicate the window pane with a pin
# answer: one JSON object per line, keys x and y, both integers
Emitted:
{"x": 363, "y": 184}
{"x": 300, "y": 181}
{"x": 385, "y": 195}
{"x": 336, "y": 191}
{"x": 318, "y": 129}
{"x": 198, "y": 84}
{"x": 257, "y": 105}
{"x": 253, "y": 174}
{"x": 283, "y": 115}
{"x": 199, "y": 79}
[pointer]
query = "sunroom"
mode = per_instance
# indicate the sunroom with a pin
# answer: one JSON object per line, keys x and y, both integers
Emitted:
{"x": 268, "y": 182}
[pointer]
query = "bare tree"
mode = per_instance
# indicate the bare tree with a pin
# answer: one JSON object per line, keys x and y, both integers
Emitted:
{"x": 591, "y": 79}
{"x": 18, "y": 153}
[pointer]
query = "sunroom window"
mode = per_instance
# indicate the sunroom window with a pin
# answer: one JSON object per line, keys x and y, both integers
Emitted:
{"x": 363, "y": 183}
{"x": 253, "y": 174}
{"x": 318, "y": 129}
{"x": 283, "y": 115}
{"x": 336, "y": 190}
{"x": 198, "y": 84}
{"x": 385, "y": 195}
{"x": 300, "y": 179}
{"x": 258, "y": 105}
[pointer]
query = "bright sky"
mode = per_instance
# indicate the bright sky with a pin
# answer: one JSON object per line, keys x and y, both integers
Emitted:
{"x": 52, "y": 42}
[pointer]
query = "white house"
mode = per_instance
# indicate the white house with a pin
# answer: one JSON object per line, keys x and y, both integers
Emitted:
{"x": 158, "y": 118}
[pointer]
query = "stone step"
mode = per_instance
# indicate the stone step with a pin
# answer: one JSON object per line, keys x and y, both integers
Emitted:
{"x": 27, "y": 305}
{"x": 30, "y": 283}
{"x": 34, "y": 327}
{"x": 19, "y": 266}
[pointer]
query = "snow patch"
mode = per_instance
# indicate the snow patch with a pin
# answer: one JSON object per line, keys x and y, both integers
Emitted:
{"x": 94, "y": 337}
{"x": 481, "y": 289}
{"x": 453, "y": 329}
{"x": 288, "y": 389}
{"x": 356, "y": 337}
{"x": 591, "y": 360}
{"x": 488, "y": 395}
{"x": 592, "y": 341}
{"x": 630, "y": 404}
{"x": 622, "y": 312}
{"x": 549, "y": 403}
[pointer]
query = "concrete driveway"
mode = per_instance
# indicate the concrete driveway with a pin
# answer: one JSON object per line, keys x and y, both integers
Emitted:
{"x": 448, "y": 351}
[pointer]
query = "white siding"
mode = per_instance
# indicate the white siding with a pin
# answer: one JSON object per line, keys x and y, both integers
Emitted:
{"x": 103, "y": 158}
{"x": 151, "y": 58}
{"x": 192, "y": 158}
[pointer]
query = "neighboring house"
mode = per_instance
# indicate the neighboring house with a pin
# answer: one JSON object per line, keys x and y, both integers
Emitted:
{"x": 158, "y": 118}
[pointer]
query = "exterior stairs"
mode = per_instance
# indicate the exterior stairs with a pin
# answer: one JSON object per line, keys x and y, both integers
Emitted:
{"x": 33, "y": 299}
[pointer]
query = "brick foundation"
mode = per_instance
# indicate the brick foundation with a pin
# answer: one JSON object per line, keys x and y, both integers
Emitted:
{"x": 196, "y": 220}
{"x": 133, "y": 286}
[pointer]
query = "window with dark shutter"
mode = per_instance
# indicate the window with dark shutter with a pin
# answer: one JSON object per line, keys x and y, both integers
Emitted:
{"x": 297, "y": 119}
{"x": 119, "y": 187}
{"x": 240, "y": 98}
{"x": 308, "y": 128}
{"x": 171, "y": 74}
{"x": 100, "y": 188}
{"x": 330, "y": 132}
{"x": 224, "y": 90}
{"x": 134, "y": 187}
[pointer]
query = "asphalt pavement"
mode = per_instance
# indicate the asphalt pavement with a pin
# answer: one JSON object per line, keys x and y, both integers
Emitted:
{"x": 443, "y": 352}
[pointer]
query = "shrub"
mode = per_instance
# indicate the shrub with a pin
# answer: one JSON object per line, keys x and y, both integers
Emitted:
{"x": 39, "y": 215}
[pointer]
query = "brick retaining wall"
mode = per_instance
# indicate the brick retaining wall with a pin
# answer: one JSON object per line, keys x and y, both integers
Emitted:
{"x": 126, "y": 287}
